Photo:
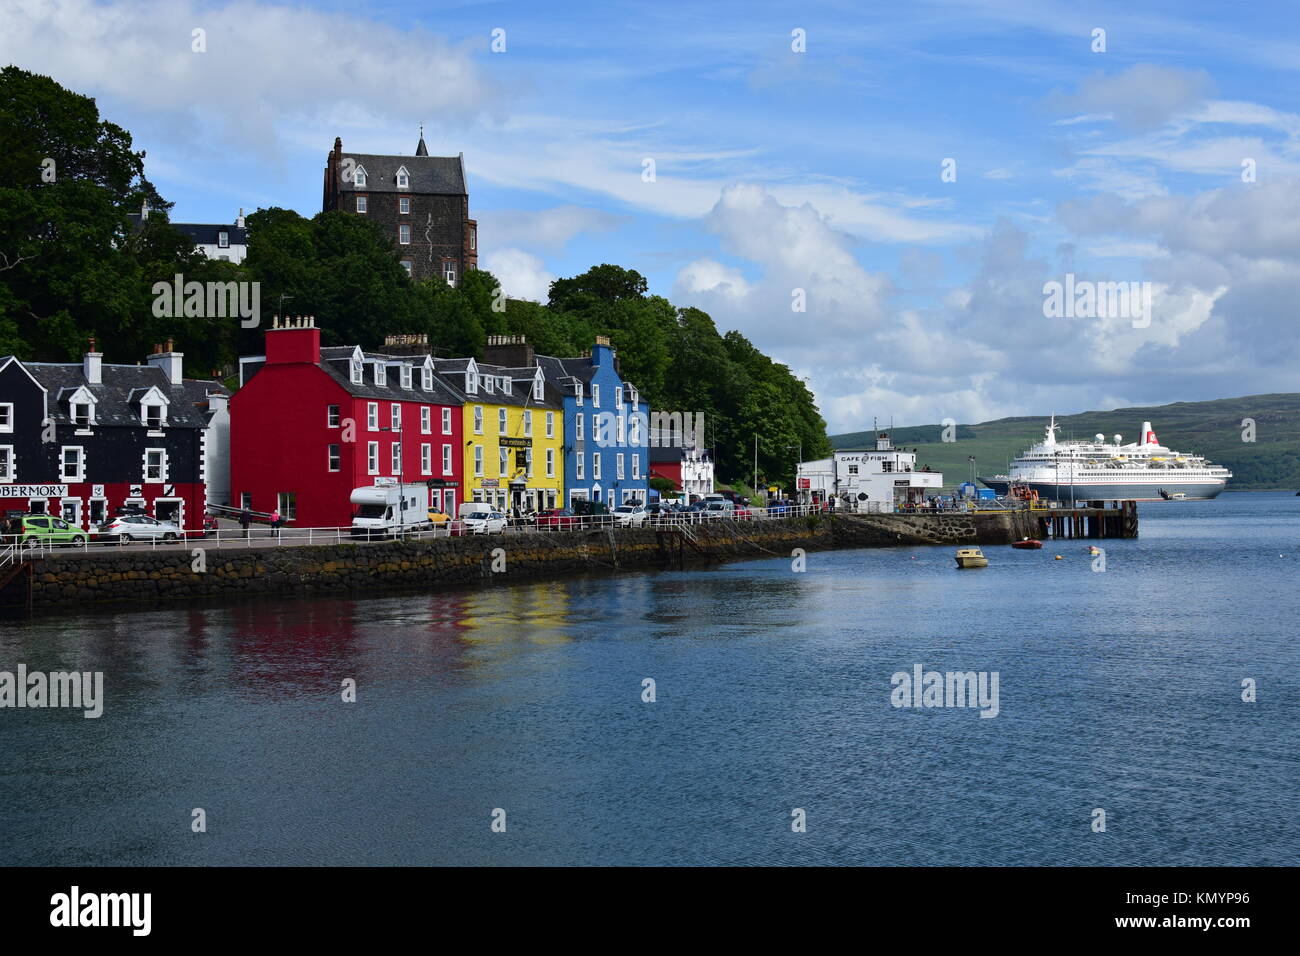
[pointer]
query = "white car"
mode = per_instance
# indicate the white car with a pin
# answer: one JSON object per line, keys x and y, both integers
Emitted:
{"x": 135, "y": 527}
{"x": 484, "y": 522}
{"x": 630, "y": 516}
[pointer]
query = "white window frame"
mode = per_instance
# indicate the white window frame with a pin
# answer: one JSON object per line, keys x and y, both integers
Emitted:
{"x": 503, "y": 422}
{"x": 395, "y": 416}
{"x": 426, "y": 458}
{"x": 595, "y": 394}
{"x": 446, "y": 420}
{"x": 503, "y": 459}
{"x": 618, "y": 466}
{"x": 406, "y": 375}
{"x": 395, "y": 457}
{"x": 333, "y": 418}
{"x": 580, "y": 466}
{"x": 359, "y": 176}
{"x": 478, "y": 461}
{"x": 80, "y": 473}
{"x": 358, "y": 372}
{"x": 372, "y": 416}
{"x": 636, "y": 467}
{"x": 363, "y": 205}
{"x": 404, "y": 234}
{"x": 578, "y": 428}
{"x": 162, "y": 466}
{"x": 426, "y": 420}
{"x": 528, "y": 423}
{"x": 426, "y": 379}
{"x": 7, "y": 419}
{"x": 478, "y": 419}
{"x": 404, "y": 205}
{"x": 403, "y": 179}
{"x": 550, "y": 424}
{"x": 550, "y": 463}
{"x": 446, "y": 459}
{"x": 595, "y": 466}
{"x": 8, "y": 466}
{"x": 372, "y": 458}
{"x": 380, "y": 376}
{"x": 333, "y": 457}
{"x": 577, "y": 391}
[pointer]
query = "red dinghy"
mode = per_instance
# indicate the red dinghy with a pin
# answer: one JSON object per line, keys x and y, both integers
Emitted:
{"x": 1027, "y": 544}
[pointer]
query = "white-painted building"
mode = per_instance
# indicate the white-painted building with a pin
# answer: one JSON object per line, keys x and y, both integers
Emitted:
{"x": 867, "y": 479}
{"x": 226, "y": 242}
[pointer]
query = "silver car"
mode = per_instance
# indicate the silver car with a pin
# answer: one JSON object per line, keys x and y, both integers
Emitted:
{"x": 139, "y": 527}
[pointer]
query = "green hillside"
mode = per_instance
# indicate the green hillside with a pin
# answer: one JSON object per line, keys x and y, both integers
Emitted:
{"x": 1212, "y": 429}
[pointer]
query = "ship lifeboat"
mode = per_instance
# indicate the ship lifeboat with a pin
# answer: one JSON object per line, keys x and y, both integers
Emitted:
{"x": 1028, "y": 544}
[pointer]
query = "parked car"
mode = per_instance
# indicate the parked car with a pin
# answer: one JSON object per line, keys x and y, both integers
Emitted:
{"x": 46, "y": 529}
{"x": 438, "y": 517}
{"x": 484, "y": 522}
{"x": 719, "y": 508}
{"x": 557, "y": 519}
{"x": 134, "y": 527}
{"x": 630, "y": 516}
{"x": 591, "y": 513}
{"x": 743, "y": 514}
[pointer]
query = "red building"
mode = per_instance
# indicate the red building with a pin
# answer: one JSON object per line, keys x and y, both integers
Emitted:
{"x": 308, "y": 425}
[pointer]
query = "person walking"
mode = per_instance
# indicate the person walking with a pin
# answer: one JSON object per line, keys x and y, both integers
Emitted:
{"x": 275, "y": 522}
{"x": 245, "y": 519}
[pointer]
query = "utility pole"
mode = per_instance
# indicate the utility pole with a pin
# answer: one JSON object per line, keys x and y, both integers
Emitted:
{"x": 755, "y": 464}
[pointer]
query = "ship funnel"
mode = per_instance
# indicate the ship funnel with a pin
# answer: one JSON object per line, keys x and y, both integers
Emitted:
{"x": 1148, "y": 436}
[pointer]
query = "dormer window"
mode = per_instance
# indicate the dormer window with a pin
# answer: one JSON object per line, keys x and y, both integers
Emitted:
{"x": 507, "y": 386}
{"x": 426, "y": 379}
{"x": 406, "y": 376}
{"x": 152, "y": 415}
{"x": 359, "y": 177}
{"x": 577, "y": 390}
{"x": 82, "y": 413}
{"x": 618, "y": 397}
{"x": 489, "y": 383}
{"x": 595, "y": 394}
{"x": 471, "y": 383}
{"x": 539, "y": 389}
{"x": 380, "y": 377}
{"x": 403, "y": 179}
{"x": 223, "y": 240}
{"x": 358, "y": 372}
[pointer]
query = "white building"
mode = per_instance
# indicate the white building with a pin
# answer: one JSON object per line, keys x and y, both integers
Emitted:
{"x": 227, "y": 242}
{"x": 867, "y": 479}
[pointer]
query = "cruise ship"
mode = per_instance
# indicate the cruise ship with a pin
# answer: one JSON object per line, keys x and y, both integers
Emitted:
{"x": 1098, "y": 470}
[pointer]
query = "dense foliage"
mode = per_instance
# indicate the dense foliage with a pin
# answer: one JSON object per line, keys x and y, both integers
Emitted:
{"x": 73, "y": 265}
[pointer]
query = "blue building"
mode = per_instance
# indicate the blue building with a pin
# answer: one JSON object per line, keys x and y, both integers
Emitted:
{"x": 606, "y": 427}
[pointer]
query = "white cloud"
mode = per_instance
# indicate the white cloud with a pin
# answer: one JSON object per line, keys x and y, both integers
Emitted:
{"x": 522, "y": 275}
{"x": 1142, "y": 97}
{"x": 548, "y": 229}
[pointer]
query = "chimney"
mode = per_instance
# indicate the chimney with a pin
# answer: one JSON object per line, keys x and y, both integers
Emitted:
{"x": 218, "y": 401}
{"x": 144, "y": 209}
{"x": 293, "y": 339}
{"x": 512, "y": 351}
{"x": 92, "y": 365}
{"x": 602, "y": 353}
{"x": 168, "y": 361}
{"x": 239, "y": 220}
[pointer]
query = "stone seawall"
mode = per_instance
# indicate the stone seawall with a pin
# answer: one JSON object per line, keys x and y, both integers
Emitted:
{"x": 72, "y": 578}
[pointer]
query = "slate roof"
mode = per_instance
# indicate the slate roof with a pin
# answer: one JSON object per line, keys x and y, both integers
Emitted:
{"x": 202, "y": 233}
{"x": 121, "y": 384}
{"x": 438, "y": 175}
{"x": 443, "y": 392}
{"x": 557, "y": 369}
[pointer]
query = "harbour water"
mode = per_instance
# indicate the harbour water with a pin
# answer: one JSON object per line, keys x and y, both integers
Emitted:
{"x": 1119, "y": 690}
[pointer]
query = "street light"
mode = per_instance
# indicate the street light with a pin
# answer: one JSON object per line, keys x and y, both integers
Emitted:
{"x": 401, "y": 475}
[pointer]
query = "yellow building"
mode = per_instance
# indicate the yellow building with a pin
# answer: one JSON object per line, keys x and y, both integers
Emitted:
{"x": 514, "y": 435}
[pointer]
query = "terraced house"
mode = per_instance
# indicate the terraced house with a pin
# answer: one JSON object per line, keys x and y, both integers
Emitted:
{"x": 514, "y": 434}
{"x": 606, "y": 427}
{"x": 310, "y": 424}
{"x": 82, "y": 440}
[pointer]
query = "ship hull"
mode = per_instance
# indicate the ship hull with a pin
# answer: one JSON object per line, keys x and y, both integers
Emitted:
{"x": 1110, "y": 491}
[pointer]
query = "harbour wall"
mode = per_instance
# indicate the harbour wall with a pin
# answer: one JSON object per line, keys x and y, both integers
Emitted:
{"x": 75, "y": 578}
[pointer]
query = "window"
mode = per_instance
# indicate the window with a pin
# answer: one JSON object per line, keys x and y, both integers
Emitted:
{"x": 395, "y": 419}
{"x": 404, "y": 205}
{"x": 634, "y": 436}
{"x": 446, "y": 421}
{"x": 286, "y": 502}
{"x": 595, "y": 466}
{"x": 404, "y": 234}
{"x": 7, "y": 417}
{"x": 426, "y": 459}
{"x": 403, "y": 178}
{"x": 372, "y": 416}
{"x": 618, "y": 467}
{"x": 358, "y": 372}
{"x": 618, "y": 396}
{"x": 359, "y": 176}
{"x": 397, "y": 458}
{"x": 528, "y": 462}
{"x": 223, "y": 240}
{"x": 478, "y": 419}
{"x": 372, "y": 458}
{"x": 501, "y": 421}
{"x": 577, "y": 427}
{"x": 332, "y": 416}
{"x": 580, "y": 466}
{"x": 505, "y": 385}
{"x": 153, "y": 415}
{"x": 381, "y": 374}
{"x": 595, "y": 394}
{"x": 81, "y": 413}
{"x": 426, "y": 419}
{"x": 449, "y": 272}
{"x": 505, "y": 461}
{"x": 471, "y": 382}
{"x": 426, "y": 379}
{"x": 361, "y": 205}
{"x": 577, "y": 390}
{"x": 446, "y": 459}
{"x": 473, "y": 238}
{"x": 636, "y": 466}
{"x": 478, "y": 461}
{"x": 619, "y": 429}
{"x": 155, "y": 464}
{"x": 72, "y": 464}
{"x": 550, "y": 424}
{"x": 550, "y": 463}
{"x": 489, "y": 383}
{"x": 332, "y": 458}
{"x": 539, "y": 389}
{"x": 528, "y": 423}
{"x": 6, "y": 462}
{"x": 406, "y": 376}
{"x": 853, "y": 469}
{"x": 406, "y": 264}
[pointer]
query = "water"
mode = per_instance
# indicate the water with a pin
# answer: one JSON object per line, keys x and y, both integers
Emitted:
{"x": 1118, "y": 690}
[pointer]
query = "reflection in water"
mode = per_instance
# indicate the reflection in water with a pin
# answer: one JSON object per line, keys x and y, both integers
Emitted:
{"x": 772, "y": 692}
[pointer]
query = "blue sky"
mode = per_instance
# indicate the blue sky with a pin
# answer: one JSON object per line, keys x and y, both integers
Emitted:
{"x": 778, "y": 170}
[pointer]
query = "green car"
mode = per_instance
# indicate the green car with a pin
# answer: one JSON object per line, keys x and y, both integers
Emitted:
{"x": 46, "y": 529}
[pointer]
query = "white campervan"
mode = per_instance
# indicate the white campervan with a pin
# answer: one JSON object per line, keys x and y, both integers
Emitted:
{"x": 389, "y": 509}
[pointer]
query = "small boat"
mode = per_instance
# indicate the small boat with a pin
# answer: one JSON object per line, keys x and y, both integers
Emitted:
{"x": 1173, "y": 495}
{"x": 1028, "y": 544}
{"x": 1093, "y": 549}
{"x": 971, "y": 558}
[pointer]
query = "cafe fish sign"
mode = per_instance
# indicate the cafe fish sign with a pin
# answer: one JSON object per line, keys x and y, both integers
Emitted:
{"x": 33, "y": 491}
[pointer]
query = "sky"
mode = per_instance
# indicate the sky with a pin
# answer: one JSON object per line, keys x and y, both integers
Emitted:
{"x": 876, "y": 194}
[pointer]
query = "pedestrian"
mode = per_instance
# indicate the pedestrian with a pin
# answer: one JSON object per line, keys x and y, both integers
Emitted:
{"x": 245, "y": 519}
{"x": 275, "y": 521}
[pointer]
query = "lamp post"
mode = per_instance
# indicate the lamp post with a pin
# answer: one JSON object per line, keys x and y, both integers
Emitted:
{"x": 401, "y": 474}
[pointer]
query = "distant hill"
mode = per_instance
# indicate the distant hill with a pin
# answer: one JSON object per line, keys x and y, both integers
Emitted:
{"x": 1212, "y": 429}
